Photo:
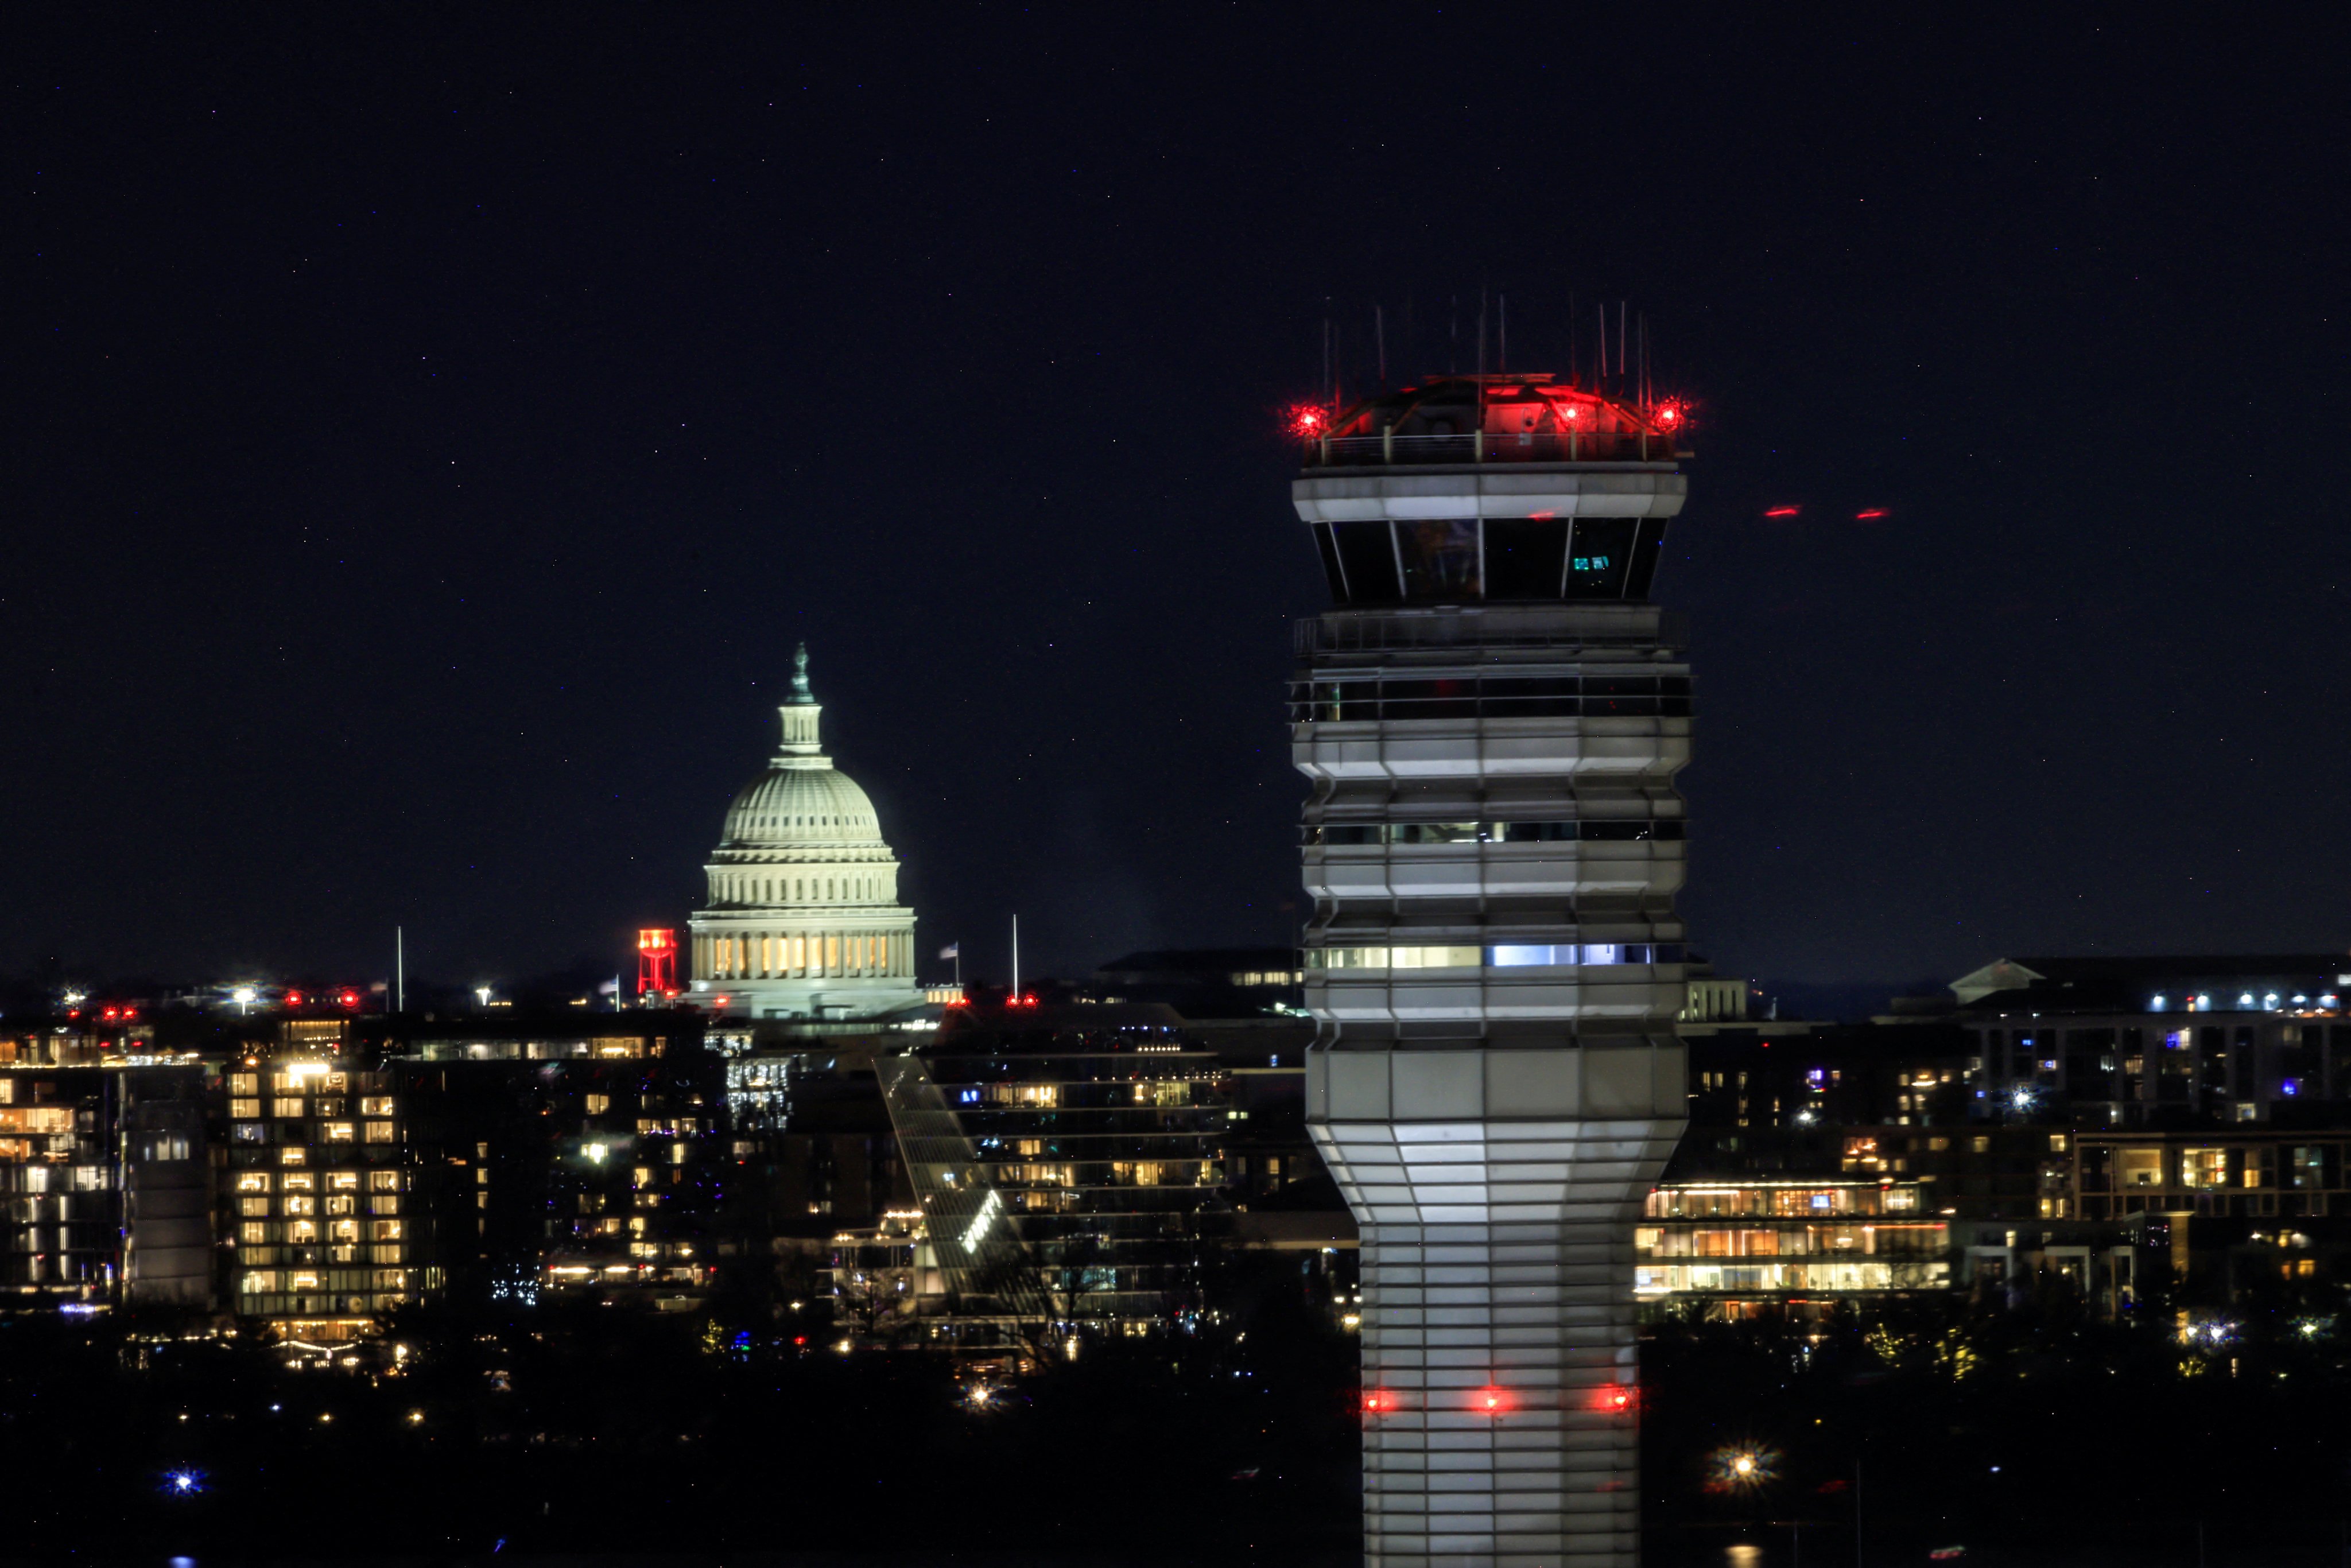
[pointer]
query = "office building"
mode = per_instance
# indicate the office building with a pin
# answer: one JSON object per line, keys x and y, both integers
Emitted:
{"x": 1491, "y": 718}
{"x": 2136, "y": 1043}
{"x": 104, "y": 1196}
{"x": 1066, "y": 1165}
{"x": 1731, "y": 1249}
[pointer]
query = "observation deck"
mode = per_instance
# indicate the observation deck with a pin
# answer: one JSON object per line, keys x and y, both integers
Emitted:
{"x": 1449, "y": 420}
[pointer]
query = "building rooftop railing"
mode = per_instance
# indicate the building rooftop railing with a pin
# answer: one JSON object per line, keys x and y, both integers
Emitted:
{"x": 1547, "y": 626}
{"x": 1391, "y": 450}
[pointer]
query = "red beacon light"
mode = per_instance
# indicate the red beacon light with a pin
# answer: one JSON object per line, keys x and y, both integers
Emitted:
{"x": 1669, "y": 414}
{"x": 1492, "y": 1401}
{"x": 1379, "y": 1402}
{"x": 293, "y": 998}
{"x": 349, "y": 998}
{"x": 1309, "y": 423}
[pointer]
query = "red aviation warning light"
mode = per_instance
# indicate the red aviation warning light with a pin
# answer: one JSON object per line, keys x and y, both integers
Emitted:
{"x": 1492, "y": 1401}
{"x": 1781, "y": 511}
{"x": 657, "y": 962}
{"x": 1379, "y": 1402}
{"x": 1308, "y": 422}
{"x": 1871, "y": 516}
{"x": 1670, "y": 415}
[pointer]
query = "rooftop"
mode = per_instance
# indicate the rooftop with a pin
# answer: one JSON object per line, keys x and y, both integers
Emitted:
{"x": 1524, "y": 418}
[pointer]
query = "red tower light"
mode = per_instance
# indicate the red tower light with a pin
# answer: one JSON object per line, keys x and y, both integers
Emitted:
{"x": 1493, "y": 1401}
{"x": 657, "y": 962}
{"x": 1379, "y": 1402}
{"x": 1308, "y": 422}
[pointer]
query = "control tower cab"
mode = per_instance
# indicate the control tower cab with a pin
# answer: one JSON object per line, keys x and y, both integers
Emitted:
{"x": 1491, "y": 717}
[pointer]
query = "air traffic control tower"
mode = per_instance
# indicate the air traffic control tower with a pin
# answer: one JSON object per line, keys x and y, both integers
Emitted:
{"x": 1492, "y": 715}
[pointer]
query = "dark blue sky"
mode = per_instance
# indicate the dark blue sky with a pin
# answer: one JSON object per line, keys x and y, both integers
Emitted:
{"x": 432, "y": 432}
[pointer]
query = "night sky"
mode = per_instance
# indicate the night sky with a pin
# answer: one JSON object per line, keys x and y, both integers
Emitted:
{"x": 428, "y": 435}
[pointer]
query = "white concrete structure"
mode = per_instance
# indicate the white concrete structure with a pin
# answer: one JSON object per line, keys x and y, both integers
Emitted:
{"x": 1492, "y": 720}
{"x": 803, "y": 920}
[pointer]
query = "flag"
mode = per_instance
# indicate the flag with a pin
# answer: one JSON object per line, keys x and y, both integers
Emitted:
{"x": 951, "y": 950}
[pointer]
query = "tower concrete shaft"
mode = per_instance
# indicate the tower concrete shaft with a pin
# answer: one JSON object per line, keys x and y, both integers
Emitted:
{"x": 1491, "y": 718}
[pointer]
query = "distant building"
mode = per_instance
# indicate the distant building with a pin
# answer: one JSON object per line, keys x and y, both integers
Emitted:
{"x": 1066, "y": 1167}
{"x": 804, "y": 919}
{"x": 2131, "y": 1043}
{"x": 1733, "y": 1250}
{"x": 1210, "y": 982}
{"x": 325, "y": 1199}
{"x": 103, "y": 1186}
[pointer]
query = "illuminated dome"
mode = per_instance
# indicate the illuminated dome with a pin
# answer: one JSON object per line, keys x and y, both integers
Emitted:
{"x": 792, "y": 803}
{"x": 804, "y": 919}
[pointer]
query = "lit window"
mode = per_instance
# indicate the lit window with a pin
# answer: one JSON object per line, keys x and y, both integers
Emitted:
{"x": 376, "y": 1105}
{"x": 380, "y": 1133}
{"x": 340, "y": 1131}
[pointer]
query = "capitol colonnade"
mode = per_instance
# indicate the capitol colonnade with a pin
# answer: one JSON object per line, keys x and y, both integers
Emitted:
{"x": 799, "y": 955}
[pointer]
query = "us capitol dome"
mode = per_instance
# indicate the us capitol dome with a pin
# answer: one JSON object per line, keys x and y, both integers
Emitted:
{"x": 804, "y": 919}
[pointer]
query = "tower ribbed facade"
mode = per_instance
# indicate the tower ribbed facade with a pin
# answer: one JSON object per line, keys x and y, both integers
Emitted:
{"x": 1491, "y": 718}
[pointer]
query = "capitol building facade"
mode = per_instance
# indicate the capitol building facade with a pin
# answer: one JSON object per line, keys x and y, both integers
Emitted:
{"x": 804, "y": 919}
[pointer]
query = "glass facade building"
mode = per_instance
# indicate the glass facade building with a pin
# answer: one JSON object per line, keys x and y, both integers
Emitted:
{"x": 1067, "y": 1176}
